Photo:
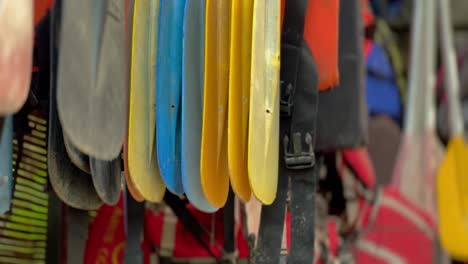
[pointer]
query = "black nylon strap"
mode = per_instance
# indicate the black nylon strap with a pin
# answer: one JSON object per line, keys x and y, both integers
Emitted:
{"x": 229, "y": 254}
{"x": 76, "y": 235}
{"x": 135, "y": 218}
{"x": 301, "y": 161}
{"x": 270, "y": 232}
{"x": 299, "y": 101}
{"x": 293, "y": 21}
{"x": 303, "y": 189}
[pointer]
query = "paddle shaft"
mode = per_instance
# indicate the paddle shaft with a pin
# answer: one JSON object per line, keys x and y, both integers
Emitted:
{"x": 413, "y": 123}
{"x": 451, "y": 70}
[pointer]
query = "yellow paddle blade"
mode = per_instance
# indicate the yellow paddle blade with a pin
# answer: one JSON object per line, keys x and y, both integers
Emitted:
{"x": 142, "y": 163}
{"x": 452, "y": 198}
{"x": 214, "y": 165}
{"x": 153, "y": 47}
{"x": 239, "y": 93}
{"x": 264, "y": 101}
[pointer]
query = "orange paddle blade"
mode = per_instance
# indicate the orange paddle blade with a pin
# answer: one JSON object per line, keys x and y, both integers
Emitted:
{"x": 321, "y": 34}
{"x": 129, "y": 183}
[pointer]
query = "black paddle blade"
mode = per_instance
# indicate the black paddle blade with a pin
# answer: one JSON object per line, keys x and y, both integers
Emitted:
{"x": 72, "y": 186}
{"x": 78, "y": 158}
{"x": 342, "y": 114}
{"x": 107, "y": 179}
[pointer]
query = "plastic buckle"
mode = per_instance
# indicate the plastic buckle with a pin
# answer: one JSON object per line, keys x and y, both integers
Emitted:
{"x": 286, "y": 101}
{"x": 298, "y": 159}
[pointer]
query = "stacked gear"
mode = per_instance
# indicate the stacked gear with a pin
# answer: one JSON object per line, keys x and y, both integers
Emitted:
{"x": 206, "y": 105}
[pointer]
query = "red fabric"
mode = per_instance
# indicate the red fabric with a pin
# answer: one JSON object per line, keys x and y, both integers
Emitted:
{"x": 358, "y": 160}
{"x": 185, "y": 244}
{"x": 367, "y": 15}
{"x": 393, "y": 231}
{"x": 321, "y": 34}
{"x": 106, "y": 235}
{"x": 333, "y": 237}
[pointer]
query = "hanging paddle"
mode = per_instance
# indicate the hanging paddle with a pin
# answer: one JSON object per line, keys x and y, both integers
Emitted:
{"x": 297, "y": 162}
{"x": 141, "y": 156}
{"x": 105, "y": 174}
{"x": 451, "y": 180}
{"x": 433, "y": 149}
{"x": 192, "y": 102}
{"x": 321, "y": 33}
{"x": 91, "y": 78}
{"x": 79, "y": 159}
{"x": 264, "y": 101}
{"x": 128, "y": 179}
{"x": 72, "y": 186}
{"x": 214, "y": 165}
{"x": 169, "y": 81}
{"x": 130, "y": 5}
{"x": 239, "y": 94}
{"x": 418, "y": 155}
{"x": 6, "y": 164}
{"x": 107, "y": 179}
{"x": 17, "y": 45}
{"x": 345, "y": 104}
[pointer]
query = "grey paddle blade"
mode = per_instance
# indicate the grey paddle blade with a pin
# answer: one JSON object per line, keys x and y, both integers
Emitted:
{"x": 78, "y": 158}
{"x": 72, "y": 186}
{"x": 91, "y": 79}
{"x": 342, "y": 114}
{"x": 107, "y": 179}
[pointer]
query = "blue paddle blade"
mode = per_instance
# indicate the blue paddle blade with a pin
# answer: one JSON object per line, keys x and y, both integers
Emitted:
{"x": 6, "y": 164}
{"x": 192, "y": 102}
{"x": 169, "y": 83}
